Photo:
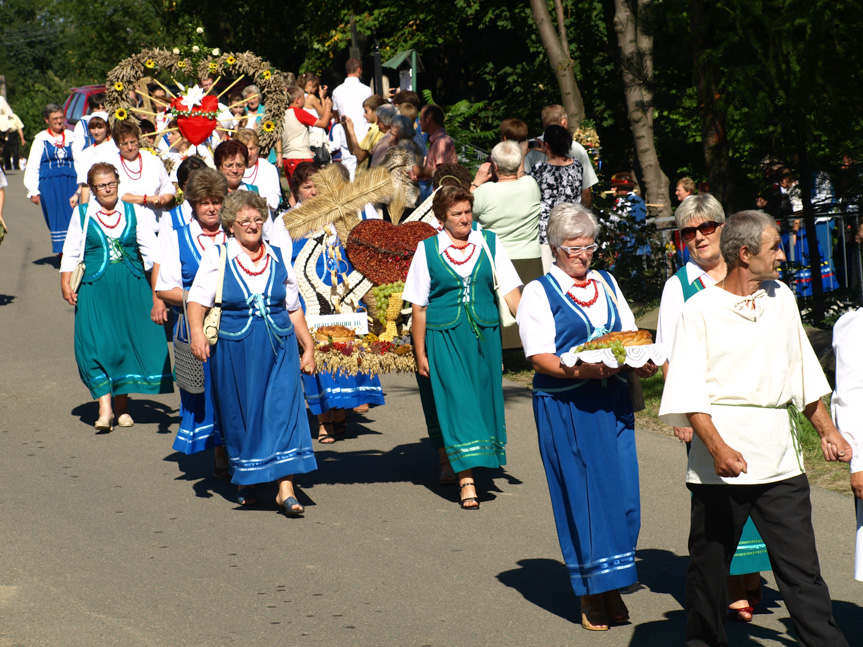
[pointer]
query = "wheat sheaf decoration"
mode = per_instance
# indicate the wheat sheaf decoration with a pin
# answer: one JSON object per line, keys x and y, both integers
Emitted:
{"x": 338, "y": 201}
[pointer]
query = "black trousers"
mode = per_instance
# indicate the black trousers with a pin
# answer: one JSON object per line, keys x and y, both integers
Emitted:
{"x": 782, "y": 512}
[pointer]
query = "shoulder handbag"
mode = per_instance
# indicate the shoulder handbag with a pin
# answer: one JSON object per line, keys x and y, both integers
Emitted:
{"x": 188, "y": 369}
{"x": 633, "y": 382}
{"x": 214, "y": 314}
{"x": 78, "y": 273}
{"x": 506, "y": 317}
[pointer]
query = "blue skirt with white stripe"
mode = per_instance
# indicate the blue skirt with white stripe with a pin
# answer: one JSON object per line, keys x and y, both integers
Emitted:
{"x": 587, "y": 443}
{"x": 325, "y": 391}
{"x": 259, "y": 406}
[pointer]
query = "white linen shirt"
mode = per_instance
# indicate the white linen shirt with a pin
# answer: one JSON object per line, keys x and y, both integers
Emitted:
{"x": 147, "y": 243}
{"x": 418, "y": 281}
{"x": 170, "y": 268}
{"x": 91, "y": 155}
{"x": 152, "y": 180}
{"x": 206, "y": 280}
{"x": 34, "y": 160}
{"x": 751, "y": 355}
{"x": 167, "y": 228}
{"x": 348, "y": 101}
{"x": 847, "y": 404}
{"x": 536, "y": 325}
{"x": 265, "y": 176}
{"x": 671, "y": 304}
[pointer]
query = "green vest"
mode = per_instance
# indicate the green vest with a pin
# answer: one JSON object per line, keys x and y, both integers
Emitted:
{"x": 96, "y": 252}
{"x": 449, "y": 296}
{"x": 689, "y": 289}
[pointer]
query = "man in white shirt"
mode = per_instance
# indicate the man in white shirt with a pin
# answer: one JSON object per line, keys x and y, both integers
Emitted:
{"x": 349, "y": 96}
{"x": 740, "y": 368}
{"x": 555, "y": 115}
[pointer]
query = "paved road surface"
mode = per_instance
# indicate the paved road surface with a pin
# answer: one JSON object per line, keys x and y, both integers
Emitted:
{"x": 116, "y": 540}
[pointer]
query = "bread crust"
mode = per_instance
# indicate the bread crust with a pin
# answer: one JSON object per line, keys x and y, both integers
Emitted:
{"x": 629, "y": 338}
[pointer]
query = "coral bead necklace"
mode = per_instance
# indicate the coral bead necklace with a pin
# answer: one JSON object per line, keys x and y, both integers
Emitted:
{"x": 589, "y": 302}
{"x": 462, "y": 248}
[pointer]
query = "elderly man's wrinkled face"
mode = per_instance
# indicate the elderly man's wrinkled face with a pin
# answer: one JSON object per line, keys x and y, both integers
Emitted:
{"x": 764, "y": 265}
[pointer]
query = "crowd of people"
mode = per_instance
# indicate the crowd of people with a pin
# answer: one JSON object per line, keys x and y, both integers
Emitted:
{"x": 140, "y": 246}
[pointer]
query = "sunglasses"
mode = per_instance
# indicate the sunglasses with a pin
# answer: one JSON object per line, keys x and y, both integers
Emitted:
{"x": 706, "y": 228}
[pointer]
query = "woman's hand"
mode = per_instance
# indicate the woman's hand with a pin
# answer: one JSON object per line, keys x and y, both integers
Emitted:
{"x": 34, "y": 199}
{"x": 684, "y": 434}
{"x": 648, "y": 370}
{"x": 73, "y": 201}
{"x": 322, "y": 91}
{"x": 307, "y": 361}
{"x": 69, "y": 295}
{"x": 159, "y": 312}
{"x": 483, "y": 175}
{"x": 423, "y": 366}
{"x": 200, "y": 346}
{"x": 596, "y": 371}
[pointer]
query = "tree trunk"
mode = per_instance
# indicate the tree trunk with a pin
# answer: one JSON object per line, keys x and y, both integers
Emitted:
{"x": 636, "y": 53}
{"x": 557, "y": 50}
{"x": 714, "y": 137}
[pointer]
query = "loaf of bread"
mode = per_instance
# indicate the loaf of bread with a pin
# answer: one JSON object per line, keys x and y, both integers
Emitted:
{"x": 629, "y": 338}
{"x": 336, "y": 333}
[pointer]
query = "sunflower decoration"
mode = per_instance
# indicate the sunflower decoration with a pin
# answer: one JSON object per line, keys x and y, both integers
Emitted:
{"x": 230, "y": 60}
{"x": 181, "y": 64}
{"x": 118, "y": 86}
{"x": 213, "y": 67}
{"x": 268, "y": 126}
{"x": 150, "y": 64}
{"x": 266, "y": 74}
{"x": 120, "y": 114}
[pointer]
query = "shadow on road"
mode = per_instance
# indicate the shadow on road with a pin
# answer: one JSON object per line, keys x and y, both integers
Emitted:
{"x": 545, "y": 583}
{"x": 144, "y": 412}
{"x": 6, "y": 299}
{"x": 53, "y": 261}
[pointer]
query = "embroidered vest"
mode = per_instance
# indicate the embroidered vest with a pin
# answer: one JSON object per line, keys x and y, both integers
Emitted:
{"x": 451, "y": 296}
{"x": 689, "y": 289}
{"x": 240, "y": 306}
{"x": 97, "y": 254}
{"x": 573, "y": 328}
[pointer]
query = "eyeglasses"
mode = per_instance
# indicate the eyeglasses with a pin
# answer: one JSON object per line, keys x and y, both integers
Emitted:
{"x": 233, "y": 167}
{"x": 129, "y": 144}
{"x": 106, "y": 186}
{"x": 245, "y": 224}
{"x": 706, "y": 228}
{"x": 575, "y": 251}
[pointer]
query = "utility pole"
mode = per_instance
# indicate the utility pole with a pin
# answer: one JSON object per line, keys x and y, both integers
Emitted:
{"x": 355, "y": 48}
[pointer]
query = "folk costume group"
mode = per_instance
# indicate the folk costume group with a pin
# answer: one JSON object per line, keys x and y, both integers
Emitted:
{"x": 740, "y": 370}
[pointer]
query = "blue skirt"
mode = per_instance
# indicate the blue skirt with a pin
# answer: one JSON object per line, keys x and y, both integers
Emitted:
{"x": 197, "y": 430}
{"x": 325, "y": 391}
{"x": 56, "y": 186}
{"x": 259, "y": 406}
{"x": 587, "y": 443}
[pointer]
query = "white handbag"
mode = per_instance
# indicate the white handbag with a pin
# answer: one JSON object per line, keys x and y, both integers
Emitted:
{"x": 78, "y": 273}
{"x": 507, "y": 319}
{"x": 214, "y": 314}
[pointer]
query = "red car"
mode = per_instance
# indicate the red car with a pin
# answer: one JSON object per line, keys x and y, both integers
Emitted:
{"x": 76, "y": 105}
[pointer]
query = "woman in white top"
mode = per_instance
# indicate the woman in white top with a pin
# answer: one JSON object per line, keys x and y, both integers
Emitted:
{"x": 117, "y": 348}
{"x": 185, "y": 247}
{"x": 456, "y": 335}
{"x": 259, "y": 172}
{"x": 255, "y": 365}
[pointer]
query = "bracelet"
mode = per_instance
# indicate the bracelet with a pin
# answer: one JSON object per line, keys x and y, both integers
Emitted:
{"x": 474, "y": 185}
{"x": 144, "y": 203}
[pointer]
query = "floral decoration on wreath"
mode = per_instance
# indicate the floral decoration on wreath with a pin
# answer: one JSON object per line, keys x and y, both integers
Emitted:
{"x": 196, "y": 109}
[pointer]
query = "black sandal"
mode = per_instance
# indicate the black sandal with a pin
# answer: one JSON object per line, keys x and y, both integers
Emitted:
{"x": 462, "y": 502}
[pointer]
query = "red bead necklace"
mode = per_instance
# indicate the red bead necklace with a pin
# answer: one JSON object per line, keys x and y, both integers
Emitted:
{"x": 259, "y": 272}
{"x": 211, "y": 236}
{"x": 254, "y": 176}
{"x": 101, "y": 213}
{"x": 129, "y": 172}
{"x": 62, "y": 143}
{"x": 589, "y": 302}
{"x": 462, "y": 262}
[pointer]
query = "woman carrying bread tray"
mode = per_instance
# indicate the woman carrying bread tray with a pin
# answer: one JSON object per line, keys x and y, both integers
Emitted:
{"x": 328, "y": 396}
{"x": 584, "y": 417}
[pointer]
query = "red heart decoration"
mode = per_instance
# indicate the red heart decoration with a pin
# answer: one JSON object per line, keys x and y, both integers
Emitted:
{"x": 382, "y": 251}
{"x": 197, "y": 130}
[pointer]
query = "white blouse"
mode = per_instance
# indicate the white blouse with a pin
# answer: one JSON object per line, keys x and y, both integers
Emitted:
{"x": 847, "y": 402}
{"x": 671, "y": 304}
{"x": 93, "y": 155}
{"x": 147, "y": 243}
{"x": 145, "y": 175}
{"x": 206, "y": 280}
{"x": 34, "y": 160}
{"x": 536, "y": 325}
{"x": 418, "y": 281}
{"x": 170, "y": 268}
{"x": 265, "y": 176}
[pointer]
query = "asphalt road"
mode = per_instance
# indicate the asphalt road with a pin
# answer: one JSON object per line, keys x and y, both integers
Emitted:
{"x": 116, "y": 540}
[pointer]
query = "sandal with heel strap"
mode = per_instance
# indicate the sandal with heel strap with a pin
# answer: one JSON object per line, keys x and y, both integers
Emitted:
{"x": 464, "y": 500}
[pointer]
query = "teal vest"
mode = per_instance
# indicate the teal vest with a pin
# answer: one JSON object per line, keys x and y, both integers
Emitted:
{"x": 689, "y": 289}
{"x": 96, "y": 251}
{"x": 449, "y": 296}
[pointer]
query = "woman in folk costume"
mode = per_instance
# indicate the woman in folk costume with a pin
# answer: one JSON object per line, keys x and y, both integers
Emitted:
{"x": 205, "y": 191}
{"x": 255, "y": 364}
{"x": 456, "y": 334}
{"x": 584, "y": 417}
{"x": 117, "y": 348}
{"x": 50, "y": 175}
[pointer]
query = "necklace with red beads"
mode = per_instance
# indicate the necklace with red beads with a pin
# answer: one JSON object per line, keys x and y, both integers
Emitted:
{"x": 462, "y": 248}
{"x": 211, "y": 237}
{"x": 255, "y": 259}
{"x": 251, "y": 180}
{"x": 133, "y": 175}
{"x": 589, "y": 302}
{"x": 101, "y": 213}
{"x": 58, "y": 140}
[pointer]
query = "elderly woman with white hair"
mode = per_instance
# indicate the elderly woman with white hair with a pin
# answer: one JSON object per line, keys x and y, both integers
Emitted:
{"x": 699, "y": 220}
{"x": 584, "y": 417}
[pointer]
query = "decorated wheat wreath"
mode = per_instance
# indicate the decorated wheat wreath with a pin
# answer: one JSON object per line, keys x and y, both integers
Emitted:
{"x": 187, "y": 66}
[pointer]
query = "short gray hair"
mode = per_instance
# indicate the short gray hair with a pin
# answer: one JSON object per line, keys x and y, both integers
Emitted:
{"x": 236, "y": 202}
{"x": 404, "y": 125}
{"x": 385, "y": 114}
{"x": 743, "y": 229}
{"x": 507, "y": 157}
{"x": 703, "y": 206}
{"x": 568, "y": 221}
{"x": 249, "y": 90}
